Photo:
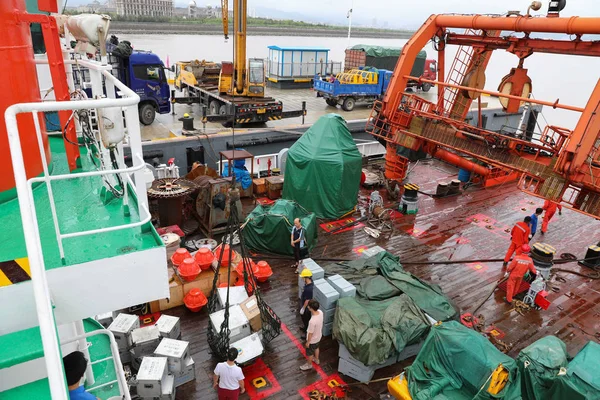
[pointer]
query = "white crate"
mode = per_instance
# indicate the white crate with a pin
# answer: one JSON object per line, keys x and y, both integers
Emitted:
{"x": 237, "y": 294}
{"x": 144, "y": 340}
{"x": 105, "y": 319}
{"x": 248, "y": 348}
{"x": 168, "y": 388}
{"x": 121, "y": 328}
{"x": 186, "y": 375}
{"x": 169, "y": 326}
{"x": 344, "y": 288}
{"x": 327, "y": 329}
{"x": 355, "y": 371}
{"x": 371, "y": 252}
{"x": 325, "y": 294}
{"x": 152, "y": 376}
{"x": 239, "y": 325}
{"x": 328, "y": 315}
{"x": 318, "y": 273}
{"x": 176, "y": 351}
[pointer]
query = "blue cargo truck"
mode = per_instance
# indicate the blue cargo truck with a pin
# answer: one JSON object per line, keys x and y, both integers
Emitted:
{"x": 351, "y": 87}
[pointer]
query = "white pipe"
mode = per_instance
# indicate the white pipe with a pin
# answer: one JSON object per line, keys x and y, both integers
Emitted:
{"x": 83, "y": 347}
{"x": 52, "y": 356}
{"x": 135, "y": 144}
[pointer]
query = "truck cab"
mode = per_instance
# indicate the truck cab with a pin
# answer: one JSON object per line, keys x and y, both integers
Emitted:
{"x": 429, "y": 72}
{"x": 144, "y": 73}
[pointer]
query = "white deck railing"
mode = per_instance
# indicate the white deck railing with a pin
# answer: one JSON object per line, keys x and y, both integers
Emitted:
{"x": 128, "y": 104}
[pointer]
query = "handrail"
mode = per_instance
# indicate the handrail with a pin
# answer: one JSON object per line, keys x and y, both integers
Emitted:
{"x": 115, "y": 357}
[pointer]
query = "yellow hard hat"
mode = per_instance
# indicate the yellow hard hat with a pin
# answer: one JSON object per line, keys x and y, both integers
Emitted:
{"x": 306, "y": 273}
{"x": 186, "y": 115}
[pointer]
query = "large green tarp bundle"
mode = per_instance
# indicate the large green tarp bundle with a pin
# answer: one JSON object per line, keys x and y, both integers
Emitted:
{"x": 386, "y": 57}
{"x": 546, "y": 374}
{"x": 373, "y": 331}
{"x": 268, "y": 228}
{"x": 323, "y": 169}
{"x": 457, "y": 363}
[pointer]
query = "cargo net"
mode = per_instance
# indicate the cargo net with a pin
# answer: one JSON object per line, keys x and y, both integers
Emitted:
{"x": 271, "y": 324}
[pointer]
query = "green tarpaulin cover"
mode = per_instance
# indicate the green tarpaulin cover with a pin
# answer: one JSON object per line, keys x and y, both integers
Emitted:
{"x": 457, "y": 363}
{"x": 323, "y": 169}
{"x": 268, "y": 228}
{"x": 373, "y": 331}
{"x": 547, "y": 375}
{"x": 380, "y": 51}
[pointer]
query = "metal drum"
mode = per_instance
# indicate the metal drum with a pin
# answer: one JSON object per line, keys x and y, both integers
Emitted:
{"x": 542, "y": 255}
{"x": 409, "y": 200}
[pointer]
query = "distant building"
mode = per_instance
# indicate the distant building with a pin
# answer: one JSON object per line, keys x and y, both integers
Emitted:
{"x": 151, "y": 8}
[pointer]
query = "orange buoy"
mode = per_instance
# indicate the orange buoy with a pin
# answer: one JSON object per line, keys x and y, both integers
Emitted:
{"x": 194, "y": 300}
{"x": 240, "y": 267}
{"x": 225, "y": 249}
{"x": 264, "y": 271}
{"x": 204, "y": 257}
{"x": 180, "y": 255}
{"x": 189, "y": 269}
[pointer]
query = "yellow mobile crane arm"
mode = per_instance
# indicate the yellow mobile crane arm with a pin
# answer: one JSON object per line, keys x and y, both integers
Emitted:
{"x": 225, "y": 16}
{"x": 239, "y": 32}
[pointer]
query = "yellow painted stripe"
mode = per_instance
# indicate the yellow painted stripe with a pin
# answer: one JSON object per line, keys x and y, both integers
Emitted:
{"x": 4, "y": 281}
{"x": 302, "y": 80}
{"x": 24, "y": 263}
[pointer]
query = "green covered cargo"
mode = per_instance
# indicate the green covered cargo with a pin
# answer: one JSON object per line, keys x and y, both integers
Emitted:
{"x": 458, "y": 363}
{"x": 546, "y": 373}
{"x": 268, "y": 228}
{"x": 386, "y": 58}
{"x": 323, "y": 169}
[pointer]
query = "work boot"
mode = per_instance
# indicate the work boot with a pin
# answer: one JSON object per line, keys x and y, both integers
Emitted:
{"x": 504, "y": 264}
{"x": 306, "y": 367}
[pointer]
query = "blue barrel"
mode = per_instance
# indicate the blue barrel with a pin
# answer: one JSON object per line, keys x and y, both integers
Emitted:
{"x": 464, "y": 175}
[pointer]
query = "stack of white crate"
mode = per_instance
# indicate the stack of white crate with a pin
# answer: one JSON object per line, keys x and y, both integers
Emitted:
{"x": 154, "y": 381}
{"x": 317, "y": 273}
{"x": 169, "y": 327}
{"x": 121, "y": 327}
{"x": 371, "y": 252}
{"x": 144, "y": 341}
{"x": 237, "y": 295}
{"x": 180, "y": 363}
{"x": 345, "y": 289}
{"x": 327, "y": 297}
{"x": 239, "y": 326}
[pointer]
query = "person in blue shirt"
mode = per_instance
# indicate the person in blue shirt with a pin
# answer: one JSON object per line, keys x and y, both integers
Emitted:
{"x": 75, "y": 365}
{"x": 534, "y": 222}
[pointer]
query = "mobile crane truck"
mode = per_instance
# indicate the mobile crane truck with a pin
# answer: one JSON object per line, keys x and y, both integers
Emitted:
{"x": 239, "y": 94}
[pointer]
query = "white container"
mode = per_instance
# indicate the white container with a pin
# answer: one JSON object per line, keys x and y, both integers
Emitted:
{"x": 239, "y": 326}
{"x": 328, "y": 328}
{"x": 354, "y": 371}
{"x": 145, "y": 340}
{"x": 168, "y": 388}
{"x": 325, "y": 294}
{"x": 248, "y": 348}
{"x": 328, "y": 315}
{"x": 121, "y": 327}
{"x": 176, "y": 351}
{"x": 169, "y": 326}
{"x": 237, "y": 295}
{"x": 188, "y": 373}
{"x": 105, "y": 319}
{"x": 152, "y": 376}
{"x": 343, "y": 287}
{"x": 372, "y": 251}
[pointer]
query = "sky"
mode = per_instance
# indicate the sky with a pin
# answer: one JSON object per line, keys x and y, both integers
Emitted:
{"x": 387, "y": 13}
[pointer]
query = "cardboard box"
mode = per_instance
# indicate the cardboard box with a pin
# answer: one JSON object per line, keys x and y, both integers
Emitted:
{"x": 145, "y": 340}
{"x": 169, "y": 326}
{"x": 260, "y": 186}
{"x": 176, "y": 295}
{"x": 188, "y": 373}
{"x": 121, "y": 328}
{"x": 204, "y": 282}
{"x": 252, "y": 312}
{"x": 152, "y": 376}
{"x": 176, "y": 351}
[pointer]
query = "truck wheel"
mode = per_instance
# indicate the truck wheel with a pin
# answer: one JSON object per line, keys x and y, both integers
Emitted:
{"x": 147, "y": 113}
{"x": 426, "y": 86}
{"x": 223, "y": 109}
{"x": 213, "y": 107}
{"x": 331, "y": 102}
{"x": 348, "y": 104}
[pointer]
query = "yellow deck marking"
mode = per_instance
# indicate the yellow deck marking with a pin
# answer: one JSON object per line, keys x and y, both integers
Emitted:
{"x": 4, "y": 281}
{"x": 24, "y": 264}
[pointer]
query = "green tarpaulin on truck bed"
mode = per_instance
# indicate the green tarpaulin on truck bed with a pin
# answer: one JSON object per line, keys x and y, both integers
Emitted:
{"x": 268, "y": 228}
{"x": 547, "y": 375}
{"x": 457, "y": 363}
{"x": 381, "y": 51}
{"x": 386, "y": 57}
{"x": 323, "y": 169}
{"x": 373, "y": 331}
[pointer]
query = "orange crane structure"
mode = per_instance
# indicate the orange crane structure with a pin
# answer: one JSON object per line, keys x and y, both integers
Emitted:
{"x": 560, "y": 164}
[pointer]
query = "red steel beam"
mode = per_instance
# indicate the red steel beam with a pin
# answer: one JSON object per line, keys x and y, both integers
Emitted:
{"x": 516, "y": 45}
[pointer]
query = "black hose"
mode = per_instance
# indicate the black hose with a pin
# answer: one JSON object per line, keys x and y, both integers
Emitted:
{"x": 489, "y": 294}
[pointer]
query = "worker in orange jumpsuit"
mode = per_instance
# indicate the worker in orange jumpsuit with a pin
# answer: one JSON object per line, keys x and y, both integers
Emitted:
{"x": 550, "y": 208}
{"x": 519, "y": 236}
{"x": 516, "y": 271}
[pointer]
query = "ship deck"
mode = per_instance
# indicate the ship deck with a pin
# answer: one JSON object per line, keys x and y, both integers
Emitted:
{"x": 443, "y": 229}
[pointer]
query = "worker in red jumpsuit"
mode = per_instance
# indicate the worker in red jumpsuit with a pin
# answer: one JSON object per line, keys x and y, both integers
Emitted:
{"x": 517, "y": 270}
{"x": 550, "y": 208}
{"x": 519, "y": 236}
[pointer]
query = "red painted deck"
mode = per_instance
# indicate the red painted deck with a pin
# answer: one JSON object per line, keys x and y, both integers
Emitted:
{"x": 443, "y": 229}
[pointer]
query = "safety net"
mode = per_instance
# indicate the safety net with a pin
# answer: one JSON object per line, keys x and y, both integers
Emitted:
{"x": 268, "y": 228}
{"x": 547, "y": 374}
{"x": 458, "y": 363}
{"x": 323, "y": 169}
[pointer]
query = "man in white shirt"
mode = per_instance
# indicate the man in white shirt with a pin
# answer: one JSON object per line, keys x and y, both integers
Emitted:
{"x": 229, "y": 377}
{"x": 314, "y": 333}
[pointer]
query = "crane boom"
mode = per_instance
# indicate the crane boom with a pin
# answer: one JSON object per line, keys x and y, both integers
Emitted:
{"x": 239, "y": 31}
{"x": 560, "y": 164}
{"x": 225, "y": 16}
